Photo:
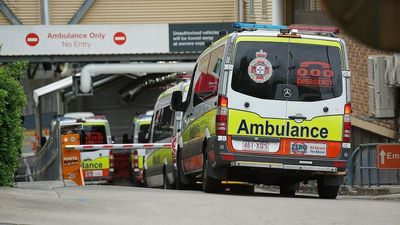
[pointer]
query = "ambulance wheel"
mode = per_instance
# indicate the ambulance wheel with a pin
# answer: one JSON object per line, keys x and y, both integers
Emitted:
{"x": 183, "y": 182}
{"x": 145, "y": 184}
{"x": 166, "y": 184}
{"x": 288, "y": 189}
{"x": 327, "y": 191}
{"x": 210, "y": 184}
{"x": 283, "y": 191}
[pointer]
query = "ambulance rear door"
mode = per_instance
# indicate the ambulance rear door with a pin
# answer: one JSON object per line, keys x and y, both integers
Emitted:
{"x": 95, "y": 164}
{"x": 316, "y": 97}
{"x": 260, "y": 68}
{"x": 285, "y": 94}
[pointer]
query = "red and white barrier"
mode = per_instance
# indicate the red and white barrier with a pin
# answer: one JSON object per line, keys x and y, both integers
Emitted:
{"x": 117, "y": 146}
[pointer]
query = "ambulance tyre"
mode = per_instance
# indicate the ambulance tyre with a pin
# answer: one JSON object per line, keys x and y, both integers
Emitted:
{"x": 166, "y": 184}
{"x": 210, "y": 184}
{"x": 328, "y": 186}
{"x": 183, "y": 182}
{"x": 145, "y": 184}
{"x": 327, "y": 191}
{"x": 133, "y": 178}
{"x": 288, "y": 189}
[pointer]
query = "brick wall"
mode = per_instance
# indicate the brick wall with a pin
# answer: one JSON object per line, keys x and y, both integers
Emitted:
{"x": 358, "y": 59}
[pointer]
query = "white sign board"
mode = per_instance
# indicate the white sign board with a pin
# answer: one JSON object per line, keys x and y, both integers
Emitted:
{"x": 83, "y": 39}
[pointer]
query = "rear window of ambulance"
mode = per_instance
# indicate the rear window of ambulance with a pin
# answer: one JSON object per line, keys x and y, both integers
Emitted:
{"x": 261, "y": 69}
{"x": 94, "y": 134}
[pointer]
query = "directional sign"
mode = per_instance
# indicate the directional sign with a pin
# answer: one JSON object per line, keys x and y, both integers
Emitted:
{"x": 388, "y": 156}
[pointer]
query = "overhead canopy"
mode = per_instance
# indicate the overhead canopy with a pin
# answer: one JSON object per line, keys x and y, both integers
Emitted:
{"x": 93, "y": 70}
{"x": 58, "y": 85}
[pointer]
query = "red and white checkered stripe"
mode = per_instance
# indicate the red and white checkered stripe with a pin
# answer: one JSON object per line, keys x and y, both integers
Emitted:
{"x": 118, "y": 146}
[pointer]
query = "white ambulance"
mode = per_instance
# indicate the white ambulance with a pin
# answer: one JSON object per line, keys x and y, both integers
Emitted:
{"x": 93, "y": 129}
{"x": 159, "y": 164}
{"x": 268, "y": 105}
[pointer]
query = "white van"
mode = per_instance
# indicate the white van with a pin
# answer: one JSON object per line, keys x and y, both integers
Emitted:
{"x": 267, "y": 107}
{"x": 159, "y": 164}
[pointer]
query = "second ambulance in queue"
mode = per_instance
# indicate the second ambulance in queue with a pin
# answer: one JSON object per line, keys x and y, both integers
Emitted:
{"x": 267, "y": 106}
{"x": 159, "y": 164}
{"x": 94, "y": 129}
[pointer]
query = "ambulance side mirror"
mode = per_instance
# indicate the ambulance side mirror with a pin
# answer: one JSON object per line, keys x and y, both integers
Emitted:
{"x": 176, "y": 101}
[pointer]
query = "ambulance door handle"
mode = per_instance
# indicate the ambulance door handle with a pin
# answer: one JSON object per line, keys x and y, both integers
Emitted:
{"x": 297, "y": 117}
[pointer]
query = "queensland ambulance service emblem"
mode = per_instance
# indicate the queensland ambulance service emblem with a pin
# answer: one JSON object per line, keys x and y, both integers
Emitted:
{"x": 260, "y": 69}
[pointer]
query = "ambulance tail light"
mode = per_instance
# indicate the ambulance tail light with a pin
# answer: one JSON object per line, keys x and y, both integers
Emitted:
{"x": 111, "y": 159}
{"x": 222, "y": 115}
{"x": 135, "y": 160}
{"x": 347, "y": 123}
{"x": 222, "y": 101}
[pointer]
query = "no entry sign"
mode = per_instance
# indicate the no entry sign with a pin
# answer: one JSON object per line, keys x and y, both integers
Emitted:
{"x": 32, "y": 39}
{"x": 119, "y": 38}
{"x": 174, "y": 145}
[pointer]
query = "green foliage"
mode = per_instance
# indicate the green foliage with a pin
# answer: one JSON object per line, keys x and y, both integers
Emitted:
{"x": 12, "y": 100}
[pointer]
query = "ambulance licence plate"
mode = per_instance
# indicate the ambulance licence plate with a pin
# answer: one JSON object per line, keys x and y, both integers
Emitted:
{"x": 255, "y": 146}
{"x": 94, "y": 173}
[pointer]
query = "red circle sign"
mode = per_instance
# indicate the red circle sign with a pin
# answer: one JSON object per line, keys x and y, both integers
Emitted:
{"x": 32, "y": 39}
{"x": 174, "y": 145}
{"x": 119, "y": 38}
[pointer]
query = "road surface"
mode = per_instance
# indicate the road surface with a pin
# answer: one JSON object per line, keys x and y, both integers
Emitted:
{"x": 129, "y": 205}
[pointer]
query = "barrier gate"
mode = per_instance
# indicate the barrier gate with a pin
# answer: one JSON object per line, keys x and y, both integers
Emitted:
{"x": 60, "y": 157}
{"x": 71, "y": 154}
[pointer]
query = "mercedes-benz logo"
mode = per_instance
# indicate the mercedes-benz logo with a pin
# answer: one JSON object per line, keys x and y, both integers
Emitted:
{"x": 287, "y": 92}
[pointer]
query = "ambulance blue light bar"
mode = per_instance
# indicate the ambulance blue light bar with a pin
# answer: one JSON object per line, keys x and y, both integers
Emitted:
{"x": 258, "y": 26}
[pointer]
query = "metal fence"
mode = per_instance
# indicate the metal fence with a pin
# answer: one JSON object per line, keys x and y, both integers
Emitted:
{"x": 363, "y": 169}
{"x": 48, "y": 162}
{"x": 26, "y": 168}
{"x": 46, "y": 165}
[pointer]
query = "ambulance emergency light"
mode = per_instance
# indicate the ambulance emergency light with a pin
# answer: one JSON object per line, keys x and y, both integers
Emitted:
{"x": 286, "y": 29}
{"x": 334, "y": 30}
{"x": 258, "y": 26}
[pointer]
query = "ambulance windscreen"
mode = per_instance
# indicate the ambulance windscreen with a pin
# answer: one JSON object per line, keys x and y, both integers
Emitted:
{"x": 261, "y": 69}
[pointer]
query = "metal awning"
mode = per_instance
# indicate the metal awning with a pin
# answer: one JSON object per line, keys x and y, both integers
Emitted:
{"x": 58, "y": 85}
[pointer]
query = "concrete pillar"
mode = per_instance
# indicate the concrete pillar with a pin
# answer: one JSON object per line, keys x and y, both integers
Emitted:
{"x": 277, "y": 12}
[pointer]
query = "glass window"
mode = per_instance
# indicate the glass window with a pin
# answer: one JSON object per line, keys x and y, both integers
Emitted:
{"x": 264, "y": 8}
{"x": 143, "y": 130}
{"x": 251, "y": 8}
{"x": 94, "y": 134}
{"x": 261, "y": 69}
{"x": 310, "y": 12}
{"x": 206, "y": 85}
{"x": 163, "y": 124}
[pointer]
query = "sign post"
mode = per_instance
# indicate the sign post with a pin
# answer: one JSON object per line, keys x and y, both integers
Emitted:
{"x": 388, "y": 156}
